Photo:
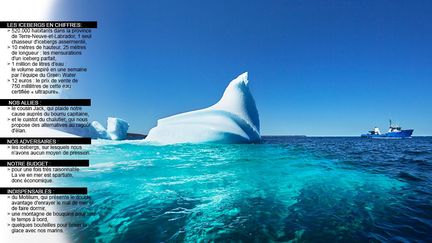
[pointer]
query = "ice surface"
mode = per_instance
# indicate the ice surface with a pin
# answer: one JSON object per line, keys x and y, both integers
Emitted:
{"x": 234, "y": 119}
{"x": 117, "y": 128}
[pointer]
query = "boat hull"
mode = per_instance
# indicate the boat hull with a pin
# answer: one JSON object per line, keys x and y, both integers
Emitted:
{"x": 402, "y": 134}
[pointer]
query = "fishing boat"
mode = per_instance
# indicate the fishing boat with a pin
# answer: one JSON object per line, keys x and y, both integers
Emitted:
{"x": 395, "y": 131}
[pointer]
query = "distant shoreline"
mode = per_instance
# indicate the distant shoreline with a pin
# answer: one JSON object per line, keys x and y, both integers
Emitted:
{"x": 138, "y": 136}
{"x": 135, "y": 136}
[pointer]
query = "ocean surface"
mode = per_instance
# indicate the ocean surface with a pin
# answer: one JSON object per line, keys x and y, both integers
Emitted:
{"x": 284, "y": 189}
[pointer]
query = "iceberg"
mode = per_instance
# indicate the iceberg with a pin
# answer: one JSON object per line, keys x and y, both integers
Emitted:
{"x": 233, "y": 119}
{"x": 117, "y": 128}
{"x": 98, "y": 131}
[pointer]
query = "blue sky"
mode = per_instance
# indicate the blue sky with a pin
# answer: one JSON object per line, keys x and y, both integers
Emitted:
{"x": 315, "y": 67}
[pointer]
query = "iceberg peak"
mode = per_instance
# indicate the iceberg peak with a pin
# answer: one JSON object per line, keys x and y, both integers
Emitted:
{"x": 242, "y": 78}
{"x": 233, "y": 119}
{"x": 238, "y": 100}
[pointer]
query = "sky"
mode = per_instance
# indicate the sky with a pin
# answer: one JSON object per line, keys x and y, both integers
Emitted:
{"x": 317, "y": 68}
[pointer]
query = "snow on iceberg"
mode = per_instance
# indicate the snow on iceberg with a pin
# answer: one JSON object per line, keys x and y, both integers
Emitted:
{"x": 234, "y": 119}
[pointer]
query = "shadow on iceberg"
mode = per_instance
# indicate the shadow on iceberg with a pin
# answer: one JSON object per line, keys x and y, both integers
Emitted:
{"x": 234, "y": 119}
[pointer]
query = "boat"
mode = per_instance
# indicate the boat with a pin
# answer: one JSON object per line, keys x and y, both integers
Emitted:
{"x": 395, "y": 131}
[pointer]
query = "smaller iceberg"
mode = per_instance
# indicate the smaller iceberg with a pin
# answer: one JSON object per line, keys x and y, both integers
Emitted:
{"x": 98, "y": 131}
{"x": 116, "y": 129}
{"x": 234, "y": 119}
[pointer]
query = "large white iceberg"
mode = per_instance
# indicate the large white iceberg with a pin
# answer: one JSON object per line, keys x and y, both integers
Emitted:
{"x": 234, "y": 119}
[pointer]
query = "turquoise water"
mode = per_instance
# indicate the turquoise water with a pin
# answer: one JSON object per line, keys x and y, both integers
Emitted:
{"x": 284, "y": 189}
